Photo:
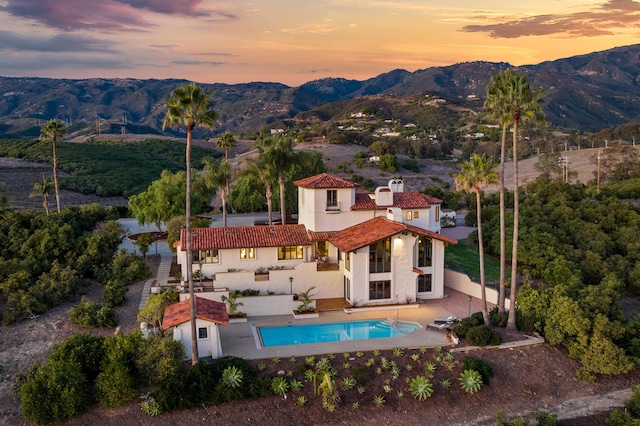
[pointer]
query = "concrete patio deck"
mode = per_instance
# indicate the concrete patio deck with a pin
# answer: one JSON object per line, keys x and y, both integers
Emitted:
{"x": 240, "y": 339}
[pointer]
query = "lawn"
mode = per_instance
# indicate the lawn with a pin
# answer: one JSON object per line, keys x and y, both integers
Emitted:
{"x": 463, "y": 257}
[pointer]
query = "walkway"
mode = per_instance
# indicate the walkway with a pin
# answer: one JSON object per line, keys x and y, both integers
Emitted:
{"x": 164, "y": 269}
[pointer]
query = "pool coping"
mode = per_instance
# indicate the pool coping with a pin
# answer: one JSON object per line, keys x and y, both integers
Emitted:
{"x": 239, "y": 339}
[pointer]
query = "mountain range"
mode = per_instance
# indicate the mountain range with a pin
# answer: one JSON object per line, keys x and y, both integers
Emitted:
{"x": 587, "y": 92}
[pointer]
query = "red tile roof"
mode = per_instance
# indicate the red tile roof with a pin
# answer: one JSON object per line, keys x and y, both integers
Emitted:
{"x": 206, "y": 309}
{"x": 403, "y": 200}
{"x": 325, "y": 181}
{"x": 320, "y": 236}
{"x": 376, "y": 229}
{"x": 247, "y": 236}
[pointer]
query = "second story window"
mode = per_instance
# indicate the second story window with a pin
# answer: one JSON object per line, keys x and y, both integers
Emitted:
{"x": 247, "y": 253}
{"x": 380, "y": 256}
{"x": 290, "y": 252}
{"x": 206, "y": 256}
{"x": 332, "y": 199}
{"x": 424, "y": 251}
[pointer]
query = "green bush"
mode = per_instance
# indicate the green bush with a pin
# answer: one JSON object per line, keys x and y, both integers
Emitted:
{"x": 485, "y": 370}
{"x": 114, "y": 292}
{"x": 361, "y": 374}
{"x": 115, "y": 385}
{"x": 83, "y": 349}
{"x": 621, "y": 418}
{"x": 159, "y": 359}
{"x": 89, "y": 315}
{"x": 499, "y": 319}
{"x": 464, "y": 326}
{"x": 633, "y": 404}
{"x": 482, "y": 335}
{"x": 53, "y": 393}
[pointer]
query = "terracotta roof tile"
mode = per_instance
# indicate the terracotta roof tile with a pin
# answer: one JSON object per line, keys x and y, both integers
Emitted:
{"x": 325, "y": 181}
{"x": 403, "y": 200}
{"x": 376, "y": 229}
{"x": 206, "y": 309}
{"x": 247, "y": 236}
{"x": 321, "y": 236}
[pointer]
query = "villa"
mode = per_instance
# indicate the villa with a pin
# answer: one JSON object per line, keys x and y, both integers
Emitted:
{"x": 368, "y": 249}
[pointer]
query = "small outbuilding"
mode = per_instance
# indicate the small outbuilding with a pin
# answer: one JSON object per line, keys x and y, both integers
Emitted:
{"x": 209, "y": 315}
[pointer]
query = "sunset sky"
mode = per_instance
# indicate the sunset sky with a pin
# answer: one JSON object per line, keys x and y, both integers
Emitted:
{"x": 295, "y": 41}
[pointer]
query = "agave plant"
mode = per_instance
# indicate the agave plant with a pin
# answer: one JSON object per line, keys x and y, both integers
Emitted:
{"x": 279, "y": 385}
{"x": 415, "y": 357}
{"x": 348, "y": 383}
{"x": 470, "y": 381}
{"x": 421, "y": 388}
{"x": 355, "y": 405}
{"x": 232, "y": 377}
{"x": 295, "y": 384}
{"x": 429, "y": 367}
{"x": 301, "y": 400}
{"x": 379, "y": 400}
{"x": 398, "y": 351}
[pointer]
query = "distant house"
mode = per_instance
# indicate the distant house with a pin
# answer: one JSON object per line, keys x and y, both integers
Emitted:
{"x": 209, "y": 315}
{"x": 373, "y": 248}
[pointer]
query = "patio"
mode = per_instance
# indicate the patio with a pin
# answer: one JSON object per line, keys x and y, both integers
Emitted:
{"x": 241, "y": 339}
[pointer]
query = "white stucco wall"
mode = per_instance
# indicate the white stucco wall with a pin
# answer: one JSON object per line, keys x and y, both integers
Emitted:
{"x": 206, "y": 347}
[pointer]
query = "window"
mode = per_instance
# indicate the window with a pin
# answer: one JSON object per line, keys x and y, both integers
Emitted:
{"x": 290, "y": 252}
{"x": 424, "y": 251}
{"x": 347, "y": 288}
{"x": 424, "y": 283}
{"x": 322, "y": 249}
{"x": 437, "y": 213}
{"x": 379, "y": 290}
{"x": 409, "y": 215}
{"x": 203, "y": 333}
{"x": 206, "y": 256}
{"x": 247, "y": 253}
{"x": 332, "y": 199}
{"x": 347, "y": 261}
{"x": 416, "y": 215}
{"x": 380, "y": 256}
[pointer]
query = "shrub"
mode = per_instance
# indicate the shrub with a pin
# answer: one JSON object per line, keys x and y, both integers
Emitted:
{"x": 546, "y": 419}
{"x": 621, "y": 418}
{"x": 115, "y": 386}
{"x": 53, "y": 393}
{"x": 633, "y": 404}
{"x": 83, "y": 349}
{"x": 421, "y": 388}
{"x": 482, "y": 335}
{"x": 114, "y": 292}
{"x": 485, "y": 370}
{"x": 499, "y": 319}
{"x": 89, "y": 315}
{"x": 361, "y": 374}
{"x": 159, "y": 359}
{"x": 464, "y": 326}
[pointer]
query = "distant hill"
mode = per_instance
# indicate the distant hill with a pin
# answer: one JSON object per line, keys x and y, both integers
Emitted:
{"x": 587, "y": 92}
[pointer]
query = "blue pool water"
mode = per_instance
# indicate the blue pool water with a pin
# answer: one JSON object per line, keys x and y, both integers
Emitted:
{"x": 334, "y": 332}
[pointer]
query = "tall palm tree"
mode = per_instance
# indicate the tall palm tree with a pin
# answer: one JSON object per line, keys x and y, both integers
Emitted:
{"x": 218, "y": 175}
{"x": 494, "y": 103}
{"x": 279, "y": 153}
{"x": 190, "y": 106}
{"x": 42, "y": 189}
{"x": 226, "y": 142}
{"x": 521, "y": 102}
{"x": 266, "y": 173}
{"x": 51, "y": 131}
{"x": 475, "y": 173}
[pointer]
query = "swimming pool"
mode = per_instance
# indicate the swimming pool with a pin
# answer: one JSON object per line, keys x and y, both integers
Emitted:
{"x": 334, "y": 332}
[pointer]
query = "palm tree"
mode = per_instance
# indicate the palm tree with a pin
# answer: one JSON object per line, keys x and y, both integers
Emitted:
{"x": 266, "y": 173}
{"x": 475, "y": 173}
{"x": 42, "y": 189}
{"x": 226, "y": 142}
{"x": 51, "y": 131}
{"x": 278, "y": 152}
{"x": 218, "y": 175}
{"x": 517, "y": 99}
{"x": 495, "y": 105}
{"x": 190, "y": 106}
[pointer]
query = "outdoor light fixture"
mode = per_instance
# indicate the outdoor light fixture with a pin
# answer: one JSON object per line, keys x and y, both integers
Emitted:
{"x": 291, "y": 285}
{"x": 469, "y": 298}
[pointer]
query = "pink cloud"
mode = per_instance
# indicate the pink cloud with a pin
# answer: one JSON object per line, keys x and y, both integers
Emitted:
{"x": 604, "y": 20}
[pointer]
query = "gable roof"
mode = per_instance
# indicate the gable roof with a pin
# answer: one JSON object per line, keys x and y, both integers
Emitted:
{"x": 321, "y": 236}
{"x": 246, "y": 236}
{"x": 206, "y": 309}
{"x": 325, "y": 181}
{"x": 403, "y": 200}
{"x": 376, "y": 229}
